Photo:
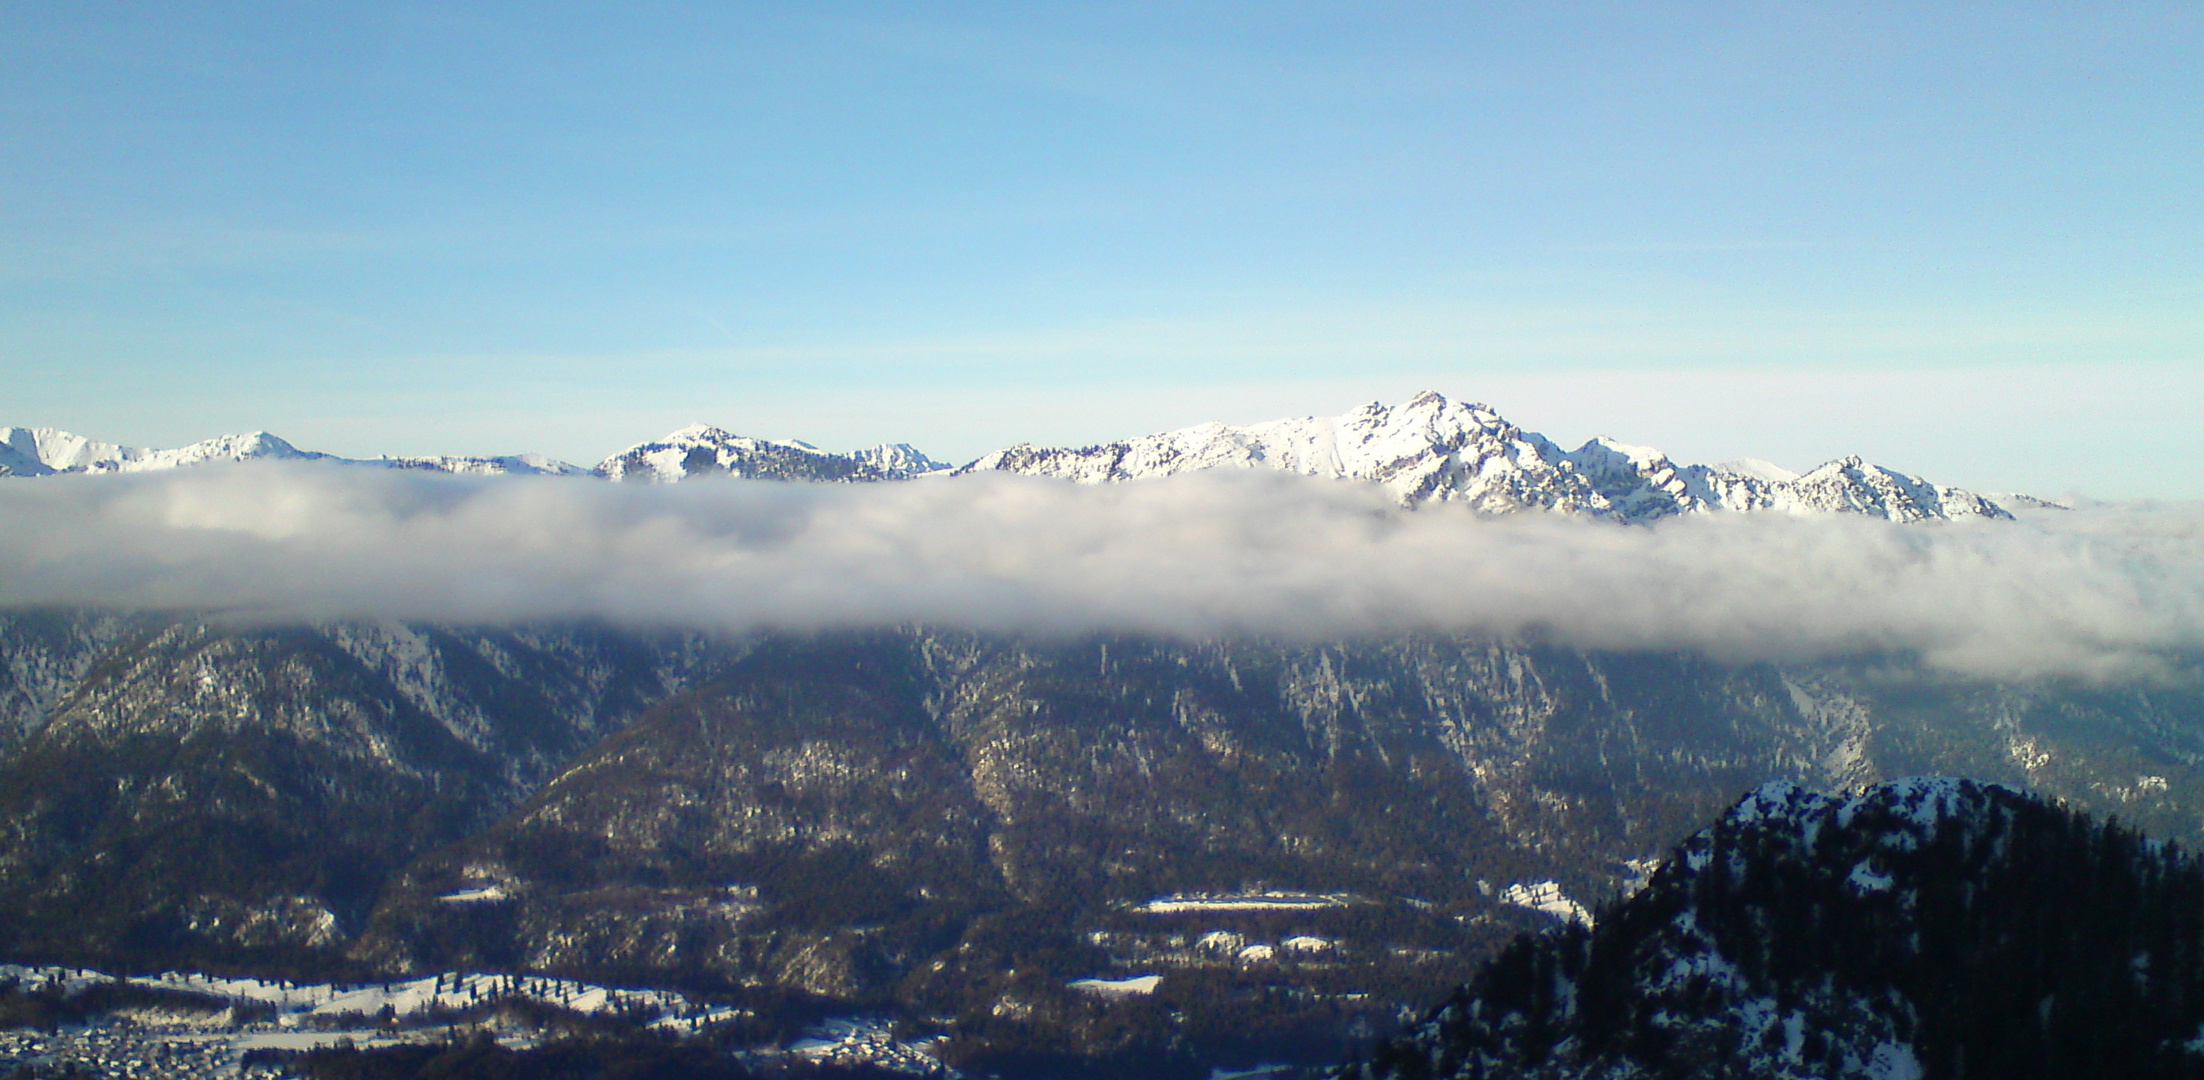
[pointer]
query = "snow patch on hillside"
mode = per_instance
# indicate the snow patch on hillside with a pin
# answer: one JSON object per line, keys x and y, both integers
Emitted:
{"x": 1182, "y": 903}
{"x": 1546, "y": 896}
{"x": 1131, "y": 986}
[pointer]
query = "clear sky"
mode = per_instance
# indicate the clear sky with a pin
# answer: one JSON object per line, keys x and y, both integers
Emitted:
{"x": 1963, "y": 241}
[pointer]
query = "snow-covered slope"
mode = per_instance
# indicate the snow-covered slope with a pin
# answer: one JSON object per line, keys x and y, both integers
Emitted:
{"x": 41, "y": 451}
{"x": 1425, "y": 449}
{"x": 46, "y": 451}
{"x": 693, "y": 452}
{"x": 16, "y": 462}
{"x": 1432, "y": 449}
{"x": 701, "y": 450}
{"x": 899, "y": 460}
{"x": 501, "y": 465}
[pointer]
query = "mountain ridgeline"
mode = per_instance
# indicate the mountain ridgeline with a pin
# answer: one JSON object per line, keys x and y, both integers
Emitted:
{"x": 1924, "y": 928}
{"x": 1061, "y": 855}
{"x": 1302, "y": 845}
{"x": 1426, "y": 449}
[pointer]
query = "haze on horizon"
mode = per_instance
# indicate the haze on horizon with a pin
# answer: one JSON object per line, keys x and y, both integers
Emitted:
{"x": 2092, "y": 594}
{"x": 1962, "y": 243}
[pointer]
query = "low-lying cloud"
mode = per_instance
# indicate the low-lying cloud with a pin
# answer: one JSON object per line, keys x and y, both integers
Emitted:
{"x": 2092, "y": 593}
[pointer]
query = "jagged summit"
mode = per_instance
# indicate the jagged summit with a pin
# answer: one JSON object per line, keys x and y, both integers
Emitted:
{"x": 1431, "y": 449}
{"x": 900, "y": 459}
{"x": 1426, "y": 449}
{"x": 700, "y": 431}
{"x": 704, "y": 450}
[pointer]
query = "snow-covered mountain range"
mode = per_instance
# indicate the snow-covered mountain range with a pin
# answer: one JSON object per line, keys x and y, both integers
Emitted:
{"x": 1432, "y": 449}
{"x": 696, "y": 451}
{"x": 47, "y": 451}
{"x": 1426, "y": 449}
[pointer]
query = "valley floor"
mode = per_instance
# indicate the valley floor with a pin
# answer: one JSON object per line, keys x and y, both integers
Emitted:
{"x": 187, "y": 1025}
{"x": 122, "y": 1048}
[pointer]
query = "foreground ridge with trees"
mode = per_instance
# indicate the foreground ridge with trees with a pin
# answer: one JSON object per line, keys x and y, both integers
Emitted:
{"x": 1925, "y": 928}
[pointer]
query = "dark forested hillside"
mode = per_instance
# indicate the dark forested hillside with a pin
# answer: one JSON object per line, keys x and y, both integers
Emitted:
{"x": 968, "y": 832}
{"x": 181, "y": 792}
{"x": 1927, "y": 928}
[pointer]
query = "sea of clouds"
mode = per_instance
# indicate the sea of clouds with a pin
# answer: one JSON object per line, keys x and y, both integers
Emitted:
{"x": 2092, "y": 593}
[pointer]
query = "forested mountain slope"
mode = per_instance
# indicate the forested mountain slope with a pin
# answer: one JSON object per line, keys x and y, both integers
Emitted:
{"x": 940, "y": 824}
{"x": 1924, "y": 928}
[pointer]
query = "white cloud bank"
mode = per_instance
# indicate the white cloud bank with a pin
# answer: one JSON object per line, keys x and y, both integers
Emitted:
{"x": 2089, "y": 593}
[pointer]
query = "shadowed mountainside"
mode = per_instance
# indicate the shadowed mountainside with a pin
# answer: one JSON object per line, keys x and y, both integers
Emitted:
{"x": 949, "y": 827}
{"x": 1929, "y": 927}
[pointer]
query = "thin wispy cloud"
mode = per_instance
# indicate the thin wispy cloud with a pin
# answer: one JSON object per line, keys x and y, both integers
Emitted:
{"x": 2105, "y": 593}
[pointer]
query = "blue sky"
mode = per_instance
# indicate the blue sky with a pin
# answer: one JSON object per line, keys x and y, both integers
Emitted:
{"x": 1961, "y": 241}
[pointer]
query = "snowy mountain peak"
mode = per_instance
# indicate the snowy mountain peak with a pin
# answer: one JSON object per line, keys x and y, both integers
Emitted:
{"x": 1916, "y": 804}
{"x": 46, "y": 451}
{"x": 900, "y": 459}
{"x": 1428, "y": 448}
{"x": 42, "y": 451}
{"x": 502, "y": 465}
{"x": 702, "y": 451}
{"x": 1639, "y": 457}
{"x": 1423, "y": 449}
{"x": 699, "y": 432}
{"x": 1432, "y": 449}
{"x": 1849, "y": 485}
{"x": 1755, "y": 467}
